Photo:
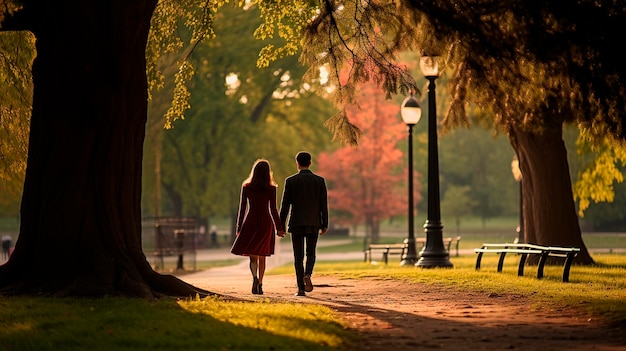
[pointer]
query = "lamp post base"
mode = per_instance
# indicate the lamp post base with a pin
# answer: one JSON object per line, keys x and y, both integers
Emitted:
{"x": 410, "y": 258}
{"x": 434, "y": 261}
{"x": 434, "y": 253}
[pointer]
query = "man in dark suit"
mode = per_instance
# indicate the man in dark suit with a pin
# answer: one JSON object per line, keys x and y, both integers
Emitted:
{"x": 306, "y": 201}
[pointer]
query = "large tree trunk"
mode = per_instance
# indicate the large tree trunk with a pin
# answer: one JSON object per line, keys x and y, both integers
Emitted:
{"x": 548, "y": 202}
{"x": 80, "y": 228}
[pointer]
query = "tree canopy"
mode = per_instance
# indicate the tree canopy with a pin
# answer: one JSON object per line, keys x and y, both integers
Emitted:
{"x": 236, "y": 111}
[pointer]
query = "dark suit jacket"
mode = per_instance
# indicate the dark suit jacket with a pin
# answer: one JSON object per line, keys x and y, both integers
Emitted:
{"x": 305, "y": 195}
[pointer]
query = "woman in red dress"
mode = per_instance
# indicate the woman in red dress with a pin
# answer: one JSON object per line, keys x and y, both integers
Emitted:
{"x": 257, "y": 222}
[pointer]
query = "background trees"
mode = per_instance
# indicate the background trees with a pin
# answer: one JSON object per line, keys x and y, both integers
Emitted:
{"x": 368, "y": 184}
{"x": 529, "y": 67}
{"x": 480, "y": 161}
{"x": 237, "y": 113}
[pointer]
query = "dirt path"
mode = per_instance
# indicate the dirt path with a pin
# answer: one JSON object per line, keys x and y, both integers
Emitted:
{"x": 393, "y": 315}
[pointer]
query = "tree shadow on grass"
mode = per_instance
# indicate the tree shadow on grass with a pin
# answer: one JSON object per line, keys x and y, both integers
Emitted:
{"x": 44, "y": 323}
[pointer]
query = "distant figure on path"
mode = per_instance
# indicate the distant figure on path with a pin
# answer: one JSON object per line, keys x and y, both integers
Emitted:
{"x": 6, "y": 246}
{"x": 306, "y": 198}
{"x": 257, "y": 221}
{"x": 213, "y": 234}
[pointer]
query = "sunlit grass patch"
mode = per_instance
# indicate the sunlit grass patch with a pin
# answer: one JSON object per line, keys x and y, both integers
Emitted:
{"x": 308, "y": 322}
{"x": 124, "y": 324}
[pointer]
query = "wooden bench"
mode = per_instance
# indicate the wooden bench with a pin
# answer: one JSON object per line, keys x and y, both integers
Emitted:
{"x": 400, "y": 249}
{"x": 524, "y": 250}
{"x": 386, "y": 249}
{"x": 446, "y": 241}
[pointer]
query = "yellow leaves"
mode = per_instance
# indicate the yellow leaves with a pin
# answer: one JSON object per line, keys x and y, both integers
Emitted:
{"x": 596, "y": 181}
{"x": 285, "y": 19}
{"x": 264, "y": 32}
{"x": 177, "y": 25}
{"x": 180, "y": 100}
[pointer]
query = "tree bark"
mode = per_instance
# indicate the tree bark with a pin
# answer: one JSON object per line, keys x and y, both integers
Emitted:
{"x": 548, "y": 202}
{"x": 80, "y": 228}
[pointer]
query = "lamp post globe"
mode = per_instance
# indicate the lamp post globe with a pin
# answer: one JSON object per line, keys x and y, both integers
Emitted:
{"x": 411, "y": 113}
{"x": 434, "y": 253}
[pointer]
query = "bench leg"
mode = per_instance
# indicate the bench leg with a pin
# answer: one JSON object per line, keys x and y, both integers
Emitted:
{"x": 478, "y": 258}
{"x": 567, "y": 265}
{"x": 522, "y": 263}
{"x": 501, "y": 261}
{"x": 542, "y": 262}
{"x": 385, "y": 256}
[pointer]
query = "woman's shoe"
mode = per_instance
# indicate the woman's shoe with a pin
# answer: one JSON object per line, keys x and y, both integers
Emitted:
{"x": 260, "y": 289}
{"x": 255, "y": 285}
{"x": 308, "y": 285}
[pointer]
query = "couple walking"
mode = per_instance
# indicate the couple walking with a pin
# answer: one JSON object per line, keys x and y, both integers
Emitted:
{"x": 304, "y": 200}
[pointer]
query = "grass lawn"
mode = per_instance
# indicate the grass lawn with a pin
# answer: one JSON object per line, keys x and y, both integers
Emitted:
{"x": 46, "y": 323}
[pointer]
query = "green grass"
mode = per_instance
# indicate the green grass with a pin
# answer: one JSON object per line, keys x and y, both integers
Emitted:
{"x": 41, "y": 324}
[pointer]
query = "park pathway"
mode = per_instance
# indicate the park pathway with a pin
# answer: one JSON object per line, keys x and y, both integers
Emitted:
{"x": 390, "y": 314}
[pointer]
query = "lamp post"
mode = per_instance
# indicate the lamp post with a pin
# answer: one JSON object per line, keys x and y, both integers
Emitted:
{"x": 517, "y": 175}
{"x": 411, "y": 113}
{"x": 434, "y": 253}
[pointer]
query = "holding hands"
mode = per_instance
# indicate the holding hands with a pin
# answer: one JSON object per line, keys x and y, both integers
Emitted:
{"x": 281, "y": 233}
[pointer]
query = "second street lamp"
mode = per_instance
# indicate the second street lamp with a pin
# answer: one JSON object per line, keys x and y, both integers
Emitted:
{"x": 411, "y": 113}
{"x": 434, "y": 253}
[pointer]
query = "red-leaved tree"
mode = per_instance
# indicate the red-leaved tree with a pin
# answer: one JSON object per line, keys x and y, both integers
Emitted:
{"x": 368, "y": 183}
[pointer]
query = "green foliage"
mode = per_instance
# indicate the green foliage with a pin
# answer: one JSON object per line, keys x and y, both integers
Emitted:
{"x": 457, "y": 203}
{"x": 238, "y": 113}
{"x": 177, "y": 25}
{"x": 285, "y": 19}
{"x": 474, "y": 157}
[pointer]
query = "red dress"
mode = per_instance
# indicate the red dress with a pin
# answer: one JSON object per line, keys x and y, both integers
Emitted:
{"x": 257, "y": 222}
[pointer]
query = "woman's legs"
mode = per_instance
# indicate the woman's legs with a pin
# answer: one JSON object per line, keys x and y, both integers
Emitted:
{"x": 261, "y": 268}
{"x": 254, "y": 267}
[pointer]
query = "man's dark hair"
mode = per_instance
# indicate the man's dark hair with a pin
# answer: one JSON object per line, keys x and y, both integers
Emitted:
{"x": 303, "y": 158}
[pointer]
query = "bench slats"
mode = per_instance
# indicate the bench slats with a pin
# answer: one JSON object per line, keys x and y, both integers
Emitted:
{"x": 569, "y": 253}
{"x": 400, "y": 249}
